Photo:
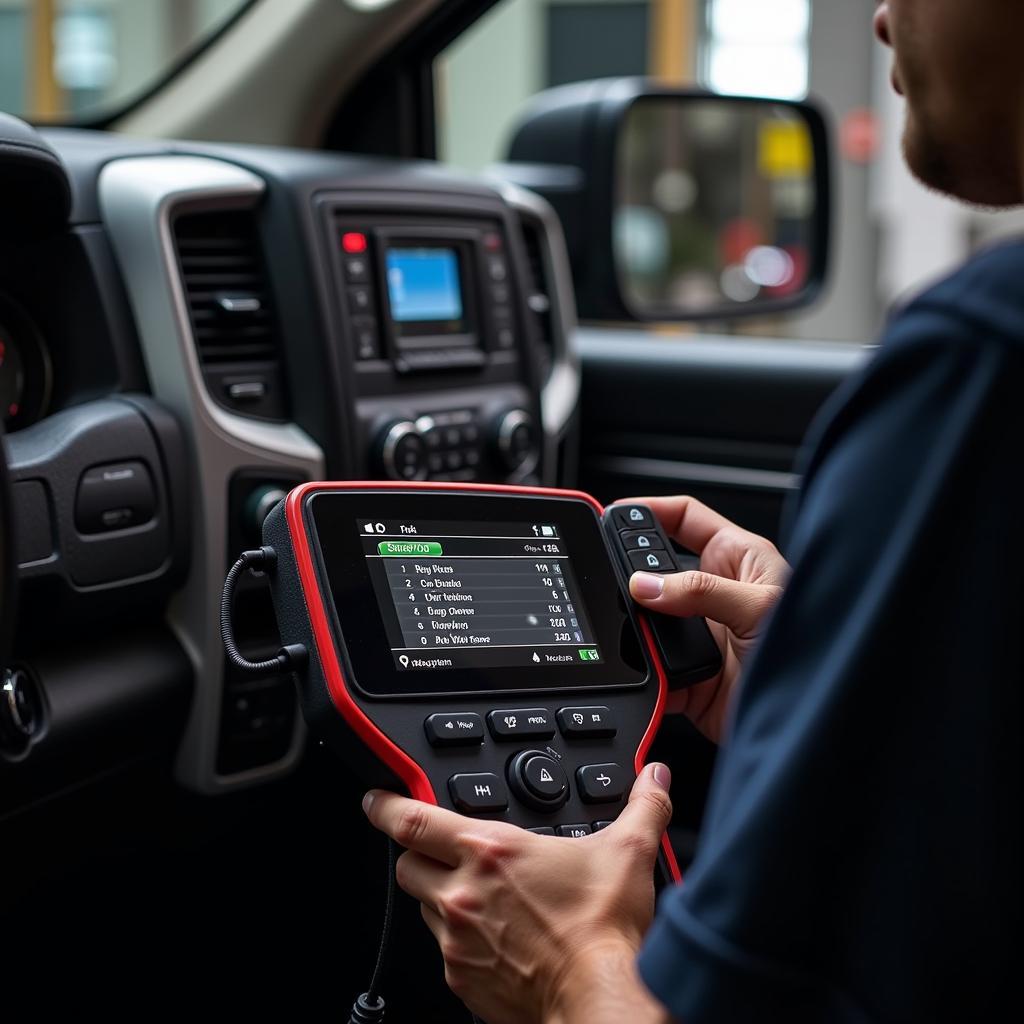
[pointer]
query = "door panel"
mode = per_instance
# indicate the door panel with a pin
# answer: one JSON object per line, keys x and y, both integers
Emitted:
{"x": 720, "y": 418}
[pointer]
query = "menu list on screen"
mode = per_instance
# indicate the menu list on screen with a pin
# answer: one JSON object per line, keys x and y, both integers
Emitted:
{"x": 477, "y": 594}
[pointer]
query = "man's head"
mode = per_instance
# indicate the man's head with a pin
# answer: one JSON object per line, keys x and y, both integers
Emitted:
{"x": 960, "y": 64}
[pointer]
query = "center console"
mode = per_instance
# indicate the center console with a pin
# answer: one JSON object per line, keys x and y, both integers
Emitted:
{"x": 432, "y": 309}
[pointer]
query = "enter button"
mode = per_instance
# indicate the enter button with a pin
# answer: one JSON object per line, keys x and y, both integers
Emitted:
{"x": 601, "y": 783}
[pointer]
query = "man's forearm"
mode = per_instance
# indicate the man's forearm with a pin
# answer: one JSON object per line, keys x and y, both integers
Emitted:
{"x": 606, "y": 989}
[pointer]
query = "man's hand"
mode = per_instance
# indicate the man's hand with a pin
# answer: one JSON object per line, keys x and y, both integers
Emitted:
{"x": 535, "y": 928}
{"x": 741, "y": 578}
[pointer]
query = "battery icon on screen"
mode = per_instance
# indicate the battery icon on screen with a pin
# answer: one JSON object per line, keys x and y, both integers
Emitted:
{"x": 589, "y": 654}
{"x": 547, "y": 531}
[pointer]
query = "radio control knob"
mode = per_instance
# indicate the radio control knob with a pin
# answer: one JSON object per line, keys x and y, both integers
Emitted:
{"x": 403, "y": 451}
{"x": 515, "y": 438}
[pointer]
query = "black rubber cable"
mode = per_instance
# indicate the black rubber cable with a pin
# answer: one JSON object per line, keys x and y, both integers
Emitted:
{"x": 385, "y": 933}
{"x": 369, "y": 1007}
{"x": 289, "y": 658}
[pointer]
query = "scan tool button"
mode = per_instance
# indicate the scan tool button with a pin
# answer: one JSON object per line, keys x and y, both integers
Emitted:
{"x": 633, "y": 517}
{"x": 544, "y": 778}
{"x": 454, "y": 730}
{"x": 478, "y": 793}
{"x": 574, "y": 831}
{"x": 601, "y": 783}
{"x": 586, "y": 722}
{"x": 651, "y": 561}
{"x": 538, "y": 780}
{"x": 516, "y": 723}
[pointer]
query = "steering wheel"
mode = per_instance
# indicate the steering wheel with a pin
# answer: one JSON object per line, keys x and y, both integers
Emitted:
{"x": 35, "y": 199}
{"x": 8, "y": 568}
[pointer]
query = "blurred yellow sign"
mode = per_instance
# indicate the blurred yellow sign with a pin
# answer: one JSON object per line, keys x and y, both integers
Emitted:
{"x": 784, "y": 150}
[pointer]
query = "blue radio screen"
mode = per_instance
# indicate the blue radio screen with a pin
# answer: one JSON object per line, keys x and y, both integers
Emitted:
{"x": 423, "y": 284}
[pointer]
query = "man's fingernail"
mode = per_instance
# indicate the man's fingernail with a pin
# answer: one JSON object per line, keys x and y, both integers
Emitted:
{"x": 662, "y": 776}
{"x": 367, "y": 803}
{"x": 646, "y": 585}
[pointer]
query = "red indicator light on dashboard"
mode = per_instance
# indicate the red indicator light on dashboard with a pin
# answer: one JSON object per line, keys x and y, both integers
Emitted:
{"x": 353, "y": 242}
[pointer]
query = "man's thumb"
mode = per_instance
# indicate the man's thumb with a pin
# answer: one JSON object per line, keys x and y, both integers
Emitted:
{"x": 649, "y": 809}
{"x": 740, "y": 606}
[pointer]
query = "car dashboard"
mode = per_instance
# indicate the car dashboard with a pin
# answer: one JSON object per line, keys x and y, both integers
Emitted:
{"x": 214, "y": 326}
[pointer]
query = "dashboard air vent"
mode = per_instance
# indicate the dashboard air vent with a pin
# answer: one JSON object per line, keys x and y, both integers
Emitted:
{"x": 539, "y": 295}
{"x": 231, "y": 310}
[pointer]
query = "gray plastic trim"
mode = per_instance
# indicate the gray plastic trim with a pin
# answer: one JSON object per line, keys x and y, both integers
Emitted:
{"x": 698, "y": 472}
{"x": 137, "y": 197}
{"x": 560, "y": 393}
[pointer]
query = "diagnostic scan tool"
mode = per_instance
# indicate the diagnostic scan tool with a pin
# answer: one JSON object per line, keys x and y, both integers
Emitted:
{"x": 476, "y": 646}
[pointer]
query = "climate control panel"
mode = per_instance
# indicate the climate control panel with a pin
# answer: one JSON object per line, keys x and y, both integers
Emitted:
{"x": 457, "y": 444}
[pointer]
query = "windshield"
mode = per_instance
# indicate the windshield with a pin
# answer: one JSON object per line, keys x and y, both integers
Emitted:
{"x": 83, "y": 60}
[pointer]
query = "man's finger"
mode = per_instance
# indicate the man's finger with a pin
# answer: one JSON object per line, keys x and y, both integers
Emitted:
{"x": 686, "y": 520}
{"x": 649, "y": 809}
{"x": 415, "y": 825}
{"x": 740, "y": 606}
{"x": 422, "y": 877}
{"x": 434, "y": 921}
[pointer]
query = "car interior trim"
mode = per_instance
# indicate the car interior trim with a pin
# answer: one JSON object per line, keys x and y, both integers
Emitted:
{"x": 138, "y": 198}
{"x": 559, "y": 394}
{"x": 698, "y": 472}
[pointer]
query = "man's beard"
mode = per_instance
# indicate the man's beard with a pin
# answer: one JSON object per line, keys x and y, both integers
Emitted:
{"x": 971, "y": 172}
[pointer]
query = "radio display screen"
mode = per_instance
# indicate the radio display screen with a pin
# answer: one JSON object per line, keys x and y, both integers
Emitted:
{"x": 474, "y": 602}
{"x": 424, "y": 285}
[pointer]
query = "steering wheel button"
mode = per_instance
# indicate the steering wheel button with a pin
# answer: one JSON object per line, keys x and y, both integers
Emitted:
{"x": 601, "y": 783}
{"x": 478, "y": 793}
{"x": 453, "y": 730}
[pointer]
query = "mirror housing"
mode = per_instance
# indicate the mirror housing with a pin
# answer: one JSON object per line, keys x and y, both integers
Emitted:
{"x": 679, "y": 204}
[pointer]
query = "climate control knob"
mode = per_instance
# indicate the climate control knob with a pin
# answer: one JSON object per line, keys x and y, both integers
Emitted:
{"x": 515, "y": 439}
{"x": 403, "y": 451}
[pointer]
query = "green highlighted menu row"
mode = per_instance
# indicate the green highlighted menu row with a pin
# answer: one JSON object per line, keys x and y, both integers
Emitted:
{"x": 404, "y": 548}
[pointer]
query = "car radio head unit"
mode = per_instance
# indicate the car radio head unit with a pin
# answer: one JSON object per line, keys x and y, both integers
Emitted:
{"x": 472, "y": 644}
{"x": 441, "y": 293}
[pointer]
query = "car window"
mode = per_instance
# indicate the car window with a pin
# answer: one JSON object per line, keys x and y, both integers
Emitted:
{"x": 521, "y": 47}
{"x": 82, "y": 60}
{"x": 483, "y": 80}
{"x": 891, "y": 237}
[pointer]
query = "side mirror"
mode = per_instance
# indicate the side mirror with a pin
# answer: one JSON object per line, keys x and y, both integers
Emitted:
{"x": 680, "y": 205}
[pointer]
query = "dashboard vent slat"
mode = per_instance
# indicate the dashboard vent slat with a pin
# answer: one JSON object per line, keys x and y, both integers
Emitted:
{"x": 539, "y": 295}
{"x": 231, "y": 308}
